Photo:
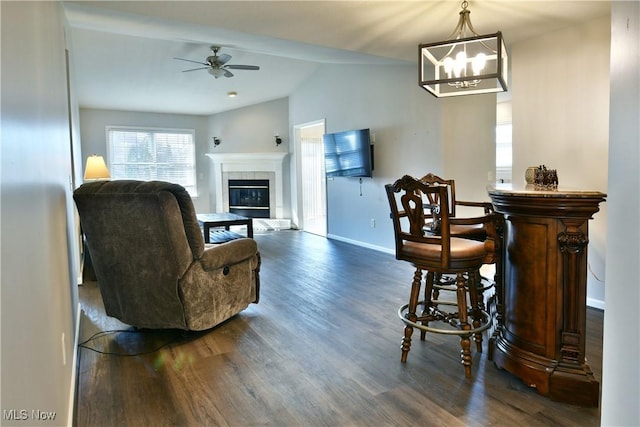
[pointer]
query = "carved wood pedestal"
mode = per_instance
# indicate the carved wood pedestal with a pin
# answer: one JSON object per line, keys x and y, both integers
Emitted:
{"x": 542, "y": 301}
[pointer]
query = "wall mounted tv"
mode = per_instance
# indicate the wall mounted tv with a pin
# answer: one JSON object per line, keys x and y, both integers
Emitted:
{"x": 348, "y": 153}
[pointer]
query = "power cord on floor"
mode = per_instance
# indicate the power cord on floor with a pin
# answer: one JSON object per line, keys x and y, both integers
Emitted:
{"x": 593, "y": 273}
{"x": 176, "y": 337}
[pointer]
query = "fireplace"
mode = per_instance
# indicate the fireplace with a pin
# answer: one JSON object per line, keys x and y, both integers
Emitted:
{"x": 249, "y": 197}
{"x": 269, "y": 167}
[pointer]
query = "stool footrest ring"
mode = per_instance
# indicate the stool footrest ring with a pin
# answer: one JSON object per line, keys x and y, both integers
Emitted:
{"x": 485, "y": 324}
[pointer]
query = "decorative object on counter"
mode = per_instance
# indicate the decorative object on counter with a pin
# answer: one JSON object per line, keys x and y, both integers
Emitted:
{"x": 545, "y": 179}
{"x": 530, "y": 174}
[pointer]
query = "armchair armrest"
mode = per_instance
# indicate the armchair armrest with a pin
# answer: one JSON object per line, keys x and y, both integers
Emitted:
{"x": 488, "y": 207}
{"x": 229, "y": 253}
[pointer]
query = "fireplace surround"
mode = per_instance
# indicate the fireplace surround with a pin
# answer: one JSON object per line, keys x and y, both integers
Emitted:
{"x": 248, "y": 166}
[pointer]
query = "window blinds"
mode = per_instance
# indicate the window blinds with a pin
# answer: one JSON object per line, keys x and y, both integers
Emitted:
{"x": 153, "y": 154}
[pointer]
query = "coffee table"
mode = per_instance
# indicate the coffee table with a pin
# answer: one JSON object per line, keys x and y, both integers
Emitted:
{"x": 218, "y": 220}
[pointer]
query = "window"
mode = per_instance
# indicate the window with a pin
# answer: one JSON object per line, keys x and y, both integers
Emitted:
{"x": 504, "y": 129}
{"x": 503, "y": 152}
{"x": 153, "y": 154}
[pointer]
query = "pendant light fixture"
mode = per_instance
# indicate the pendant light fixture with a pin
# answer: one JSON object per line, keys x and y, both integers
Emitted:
{"x": 466, "y": 63}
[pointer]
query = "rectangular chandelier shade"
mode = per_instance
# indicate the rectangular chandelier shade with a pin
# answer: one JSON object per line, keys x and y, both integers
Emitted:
{"x": 464, "y": 66}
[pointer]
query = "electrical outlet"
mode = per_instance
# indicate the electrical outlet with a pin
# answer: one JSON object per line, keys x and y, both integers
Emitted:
{"x": 373, "y": 223}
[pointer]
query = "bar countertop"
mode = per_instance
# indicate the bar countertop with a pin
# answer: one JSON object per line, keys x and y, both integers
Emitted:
{"x": 529, "y": 190}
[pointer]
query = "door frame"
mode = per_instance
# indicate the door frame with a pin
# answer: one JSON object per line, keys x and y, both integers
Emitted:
{"x": 297, "y": 131}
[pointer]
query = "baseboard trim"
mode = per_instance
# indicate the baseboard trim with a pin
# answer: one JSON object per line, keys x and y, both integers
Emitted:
{"x": 74, "y": 369}
{"x": 595, "y": 303}
{"x": 591, "y": 302}
{"x": 271, "y": 224}
{"x": 363, "y": 244}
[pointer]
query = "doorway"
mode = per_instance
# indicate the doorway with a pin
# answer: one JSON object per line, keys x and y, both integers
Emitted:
{"x": 312, "y": 177}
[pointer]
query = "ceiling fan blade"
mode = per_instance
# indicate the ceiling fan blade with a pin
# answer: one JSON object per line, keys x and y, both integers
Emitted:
{"x": 228, "y": 73}
{"x": 189, "y": 60}
{"x": 194, "y": 69}
{"x": 243, "y": 67}
{"x": 223, "y": 58}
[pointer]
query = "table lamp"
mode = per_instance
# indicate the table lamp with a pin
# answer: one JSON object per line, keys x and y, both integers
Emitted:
{"x": 96, "y": 169}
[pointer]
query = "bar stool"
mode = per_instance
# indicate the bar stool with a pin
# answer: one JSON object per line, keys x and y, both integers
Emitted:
{"x": 473, "y": 230}
{"x": 436, "y": 254}
{"x": 466, "y": 228}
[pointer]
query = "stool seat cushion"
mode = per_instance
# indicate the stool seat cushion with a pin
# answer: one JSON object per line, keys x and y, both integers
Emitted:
{"x": 465, "y": 254}
{"x": 467, "y": 231}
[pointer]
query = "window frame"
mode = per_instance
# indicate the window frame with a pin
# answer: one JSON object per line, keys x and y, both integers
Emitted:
{"x": 193, "y": 190}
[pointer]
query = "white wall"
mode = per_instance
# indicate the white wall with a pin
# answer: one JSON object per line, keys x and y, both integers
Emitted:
{"x": 251, "y": 130}
{"x": 621, "y": 353}
{"x": 39, "y": 292}
{"x": 560, "y": 102}
{"x": 405, "y": 121}
{"x": 93, "y": 123}
{"x": 469, "y": 134}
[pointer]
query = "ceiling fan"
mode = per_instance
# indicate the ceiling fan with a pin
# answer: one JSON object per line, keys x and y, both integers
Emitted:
{"x": 216, "y": 64}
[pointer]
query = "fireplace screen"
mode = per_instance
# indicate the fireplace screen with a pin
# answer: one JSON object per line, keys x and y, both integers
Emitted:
{"x": 249, "y": 197}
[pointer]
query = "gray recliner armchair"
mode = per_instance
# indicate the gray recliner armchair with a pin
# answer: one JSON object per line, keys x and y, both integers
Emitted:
{"x": 150, "y": 259}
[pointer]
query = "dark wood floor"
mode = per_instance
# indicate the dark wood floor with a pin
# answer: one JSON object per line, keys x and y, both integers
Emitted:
{"x": 321, "y": 349}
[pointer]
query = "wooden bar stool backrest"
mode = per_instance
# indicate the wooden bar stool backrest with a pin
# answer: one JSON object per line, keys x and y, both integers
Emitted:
{"x": 409, "y": 222}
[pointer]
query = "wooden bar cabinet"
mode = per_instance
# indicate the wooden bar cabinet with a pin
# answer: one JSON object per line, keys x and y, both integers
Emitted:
{"x": 540, "y": 336}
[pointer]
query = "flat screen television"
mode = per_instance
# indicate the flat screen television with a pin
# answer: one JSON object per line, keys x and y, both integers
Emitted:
{"x": 348, "y": 153}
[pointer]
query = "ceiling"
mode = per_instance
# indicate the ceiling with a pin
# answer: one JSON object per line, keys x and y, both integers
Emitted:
{"x": 122, "y": 52}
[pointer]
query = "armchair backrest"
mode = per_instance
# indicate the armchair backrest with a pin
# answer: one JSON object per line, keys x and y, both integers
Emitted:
{"x": 142, "y": 238}
{"x": 408, "y": 214}
{"x": 434, "y": 180}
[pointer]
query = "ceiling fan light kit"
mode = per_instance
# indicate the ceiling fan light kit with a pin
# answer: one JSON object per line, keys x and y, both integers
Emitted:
{"x": 464, "y": 65}
{"x": 217, "y": 66}
{"x": 216, "y": 72}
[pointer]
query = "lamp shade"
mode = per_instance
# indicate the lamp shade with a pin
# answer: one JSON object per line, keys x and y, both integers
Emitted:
{"x": 96, "y": 168}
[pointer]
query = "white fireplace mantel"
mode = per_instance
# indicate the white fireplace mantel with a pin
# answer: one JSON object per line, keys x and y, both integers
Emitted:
{"x": 248, "y": 162}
